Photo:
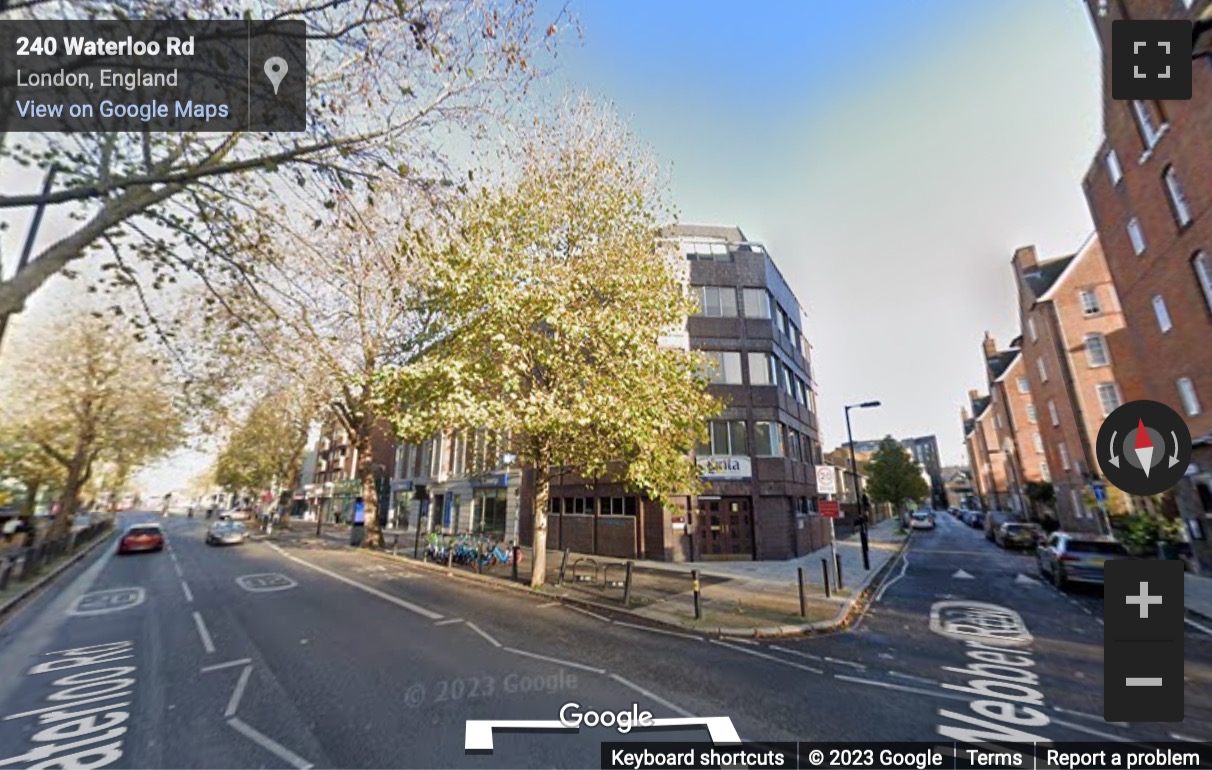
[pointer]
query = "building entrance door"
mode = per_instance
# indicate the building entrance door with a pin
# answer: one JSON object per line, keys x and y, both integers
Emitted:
{"x": 724, "y": 529}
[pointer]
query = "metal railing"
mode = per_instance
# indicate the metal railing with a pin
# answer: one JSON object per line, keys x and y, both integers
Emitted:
{"x": 22, "y": 562}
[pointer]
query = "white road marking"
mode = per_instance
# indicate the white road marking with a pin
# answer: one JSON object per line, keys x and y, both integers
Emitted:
{"x": 557, "y": 661}
{"x": 423, "y": 612}
{"x": 846, "y": 663}
{"x": 652, "y": 696}
{"x": 448, "y": 621}
{"x": 1090, "y": 731}
{"x": 1188, "y": 738}
{"x": 961, "y": 575}
{"x": 228, "y": 664}
{"x": 207, "y": 642}
{"x": 107, "y": 601}
{"x": 900, "y": 687}
{"x": 81, "y": 702}
{"x": 1099, "y": 621}
{"x": 269, "y": 744}
{"x": 911, "y": 677}
{"x": 774, "y": 658}
{"x": 1062, "y": 710}
{"x": 602, "y": 618}
{"x": 172, "y": 554}
{"x": 549, "y": 604}
{"x": 265, "y": 582}
{"x": 189, "y": 595}
{"x": 904, "y": 567}
{"x": 658, "y": 630}
{"x": 484, "y": 634}
{"x": 238, "y": 693}
{"x": 177, "y": 567}
{"x": 1199, "y": 626}
{"x": 807, "y": 655}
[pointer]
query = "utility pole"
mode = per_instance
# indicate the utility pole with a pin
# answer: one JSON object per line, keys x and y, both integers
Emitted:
{"x": 858, "y": 493}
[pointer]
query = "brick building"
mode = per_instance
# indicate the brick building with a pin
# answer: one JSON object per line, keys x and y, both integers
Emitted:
{"x": 1070, "y": 312}
{"x": 1149, "y": 190}
{"x": 333, "y": 489}
{"x": 1011, "y": 404}
{"x": 984, "y": 453}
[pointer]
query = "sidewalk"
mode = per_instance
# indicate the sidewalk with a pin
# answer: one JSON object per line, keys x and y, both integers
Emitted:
{"x": 737, "y": 598}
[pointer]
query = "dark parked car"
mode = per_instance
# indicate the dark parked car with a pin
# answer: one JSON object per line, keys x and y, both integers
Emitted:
{"x": 142, "y": 537}
{"x": 1018, "y": 534}
{"x": 974, "y": 519}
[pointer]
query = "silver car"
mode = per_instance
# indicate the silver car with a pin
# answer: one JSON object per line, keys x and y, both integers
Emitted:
{"x": 1071, "y": 558}
{"x": 226, "y": 533}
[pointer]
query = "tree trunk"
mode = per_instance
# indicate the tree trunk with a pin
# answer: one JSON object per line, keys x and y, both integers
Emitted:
{"x": 77, "y": 477}
{"x": 370, "y": 492}
{"x": 32, "y": 488}
{"x": 542, "y": 497}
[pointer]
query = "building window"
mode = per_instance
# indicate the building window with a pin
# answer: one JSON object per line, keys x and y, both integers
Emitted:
{"x": 783, "y": 323}
{"x": 1052, "y": 413}
{"x": 763, "y": 369}
{"x": 1031, "y": 415}
{"x": 1045, "y": 473}
{"x": 1031, "y": 329}
{"x": 1137, "y": 236}
{"x": 1113, "y": 169}
{"x": 727, "y": 367}
{"x": 717, "y": 301}
{"x": 1203, "y": 273}
{"x": 997, "y": 421}
{"x": 1023, "y": 385}
{"x": 1064, "y": 455}
{"x": 1186, "y": 391}
{"x": 1178, "y": 200}
{"x": 1038, "y": 440}
{"x": 788, "y": 381}
{"x": 1043, "y": 370}
{"x": 1150, "y": 121}
{"x": 757, "y": 303}
{"x": 725, "y": 437}
{"x": 1079, "y": 508}
{"x": 768, "y": 439}
{"x": 793, "y": 439}
{"x": 1108, "y": 396}
{"x": 706, "y": 251}
{"x": 1096, "y": 350}
{"x": 1090, "y": 304}
{"x": 1163, "y": 314}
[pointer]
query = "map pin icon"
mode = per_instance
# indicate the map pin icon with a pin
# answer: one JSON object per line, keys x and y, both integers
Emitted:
{"x": 275, "y": 70}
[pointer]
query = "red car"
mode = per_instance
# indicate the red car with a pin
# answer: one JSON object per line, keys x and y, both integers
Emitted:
{"x": 142, "y": 537}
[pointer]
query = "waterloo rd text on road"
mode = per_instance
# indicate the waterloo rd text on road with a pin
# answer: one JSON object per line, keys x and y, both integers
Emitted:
{"x": 84, "y": 722}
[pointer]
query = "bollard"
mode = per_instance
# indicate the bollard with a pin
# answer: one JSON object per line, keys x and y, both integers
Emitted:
{"x": 825, "y": 574}
{"x": 563, "y": 566}
{"x": 517, "y": 549}
{"x": 416, "y": 542}
{"x": 803, "y": 598}
{"x": 627, "y": 586}
{"x": 450, "y": 556}
{"x": 698, "y": 595}
{"x": 395, "y": 545}
{"x": 840, "y": 584}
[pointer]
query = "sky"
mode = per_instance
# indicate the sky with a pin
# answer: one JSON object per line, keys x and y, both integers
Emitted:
{"x": 891, "y": 160}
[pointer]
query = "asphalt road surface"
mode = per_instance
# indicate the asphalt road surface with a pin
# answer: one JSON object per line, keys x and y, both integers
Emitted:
{"x": 281, "y": 655}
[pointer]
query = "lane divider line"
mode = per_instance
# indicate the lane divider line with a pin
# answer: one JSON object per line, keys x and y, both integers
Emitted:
{"x": 584, "y": 611}
{"x": 846, "y": 663}
{"x": 177, "y": 567}
{"x": 207, "y": 642}
{"x": 640, "y": 627}
{"x": 900, "y": 687}
{"x": 1193, "y": 624}
{"x": 652, "y": 696}
{"x": 484, "y": 634}
{"x": 228, "y": 664}
{"x": 557, "y": 661}
{"x": 238, "y": 693}
{"x": 422, "y": 611}
{"x": 189, "y": 595}
{"x": 767, "y": 656}
{"x": 269, "y": 744}
{"x": 448, "y": 621}
{"x": 789, "y": 651}
{"x": 911, "y": 677}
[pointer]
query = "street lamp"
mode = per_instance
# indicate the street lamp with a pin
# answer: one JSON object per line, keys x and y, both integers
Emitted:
{"x": 858, "y": 495}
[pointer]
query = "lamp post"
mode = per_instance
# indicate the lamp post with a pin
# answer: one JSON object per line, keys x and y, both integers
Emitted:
{"x": 858, "y": 494}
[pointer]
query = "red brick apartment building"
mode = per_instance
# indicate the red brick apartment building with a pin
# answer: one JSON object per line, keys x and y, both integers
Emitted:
{"x": 1010, "y": 403}
{"x": 1149, "y": 190}
{"x": 984, "y": 453}
{"x": 1070, "y": 312}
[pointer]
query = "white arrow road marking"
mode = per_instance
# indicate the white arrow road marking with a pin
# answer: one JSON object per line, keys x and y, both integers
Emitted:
{"x": 961, "y": 575}
{"x": 1022, "y": 579}
{"x": 478, "y": 736}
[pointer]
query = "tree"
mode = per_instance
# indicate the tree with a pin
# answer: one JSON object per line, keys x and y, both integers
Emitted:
{"x": 87, "y": 393}
{"x": 894, "y": 475}
{"x": 553, "y": 295}
{"x": 25, "y": 462}
{"x": 266, "y": 451}
{"x": 383, "y": 76}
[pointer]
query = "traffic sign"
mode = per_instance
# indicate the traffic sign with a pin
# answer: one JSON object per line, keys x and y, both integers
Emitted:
{"x": 1100, "y": 492}
{"x": 829, "y": 509}
{"x": 826, "y": 480}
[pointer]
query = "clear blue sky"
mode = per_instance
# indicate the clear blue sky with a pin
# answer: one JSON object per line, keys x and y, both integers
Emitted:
{"x": 891, "y": 156}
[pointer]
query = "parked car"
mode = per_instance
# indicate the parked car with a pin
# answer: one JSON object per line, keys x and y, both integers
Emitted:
{"x": 142, "y": 537}
{"x": 921, "y": 520}
{"x": 235, "y": 514}
{"x": 1018, "y": 534}
{"x": 1073, "y": 558}
{"x": 974, "y": 519}
{"x": 226, "y": 533}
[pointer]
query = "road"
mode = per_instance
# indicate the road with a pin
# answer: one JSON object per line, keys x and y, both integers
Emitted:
{"x": 288, "y": 655}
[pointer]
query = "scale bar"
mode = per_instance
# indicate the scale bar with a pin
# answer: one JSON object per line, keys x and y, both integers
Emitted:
{"x": 1143, "y": 681}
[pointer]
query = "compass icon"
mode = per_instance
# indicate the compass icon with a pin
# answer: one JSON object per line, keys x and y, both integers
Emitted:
{"x": 1144, "y": 448}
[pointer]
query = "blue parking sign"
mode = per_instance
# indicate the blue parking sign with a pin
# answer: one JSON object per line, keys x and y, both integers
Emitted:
{"x": 1100, "y": 492}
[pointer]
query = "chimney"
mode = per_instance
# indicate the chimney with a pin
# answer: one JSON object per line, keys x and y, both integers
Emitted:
{"x": 973, "y": 395}
{"x": 1025, "y": 259}
{"x": 990, "y": 346}
{"x": 964, "y": 410}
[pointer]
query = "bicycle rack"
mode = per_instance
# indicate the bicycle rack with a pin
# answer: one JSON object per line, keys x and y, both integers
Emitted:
{"x": 579, "y": 576}
{"x": 617, "y": 579}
